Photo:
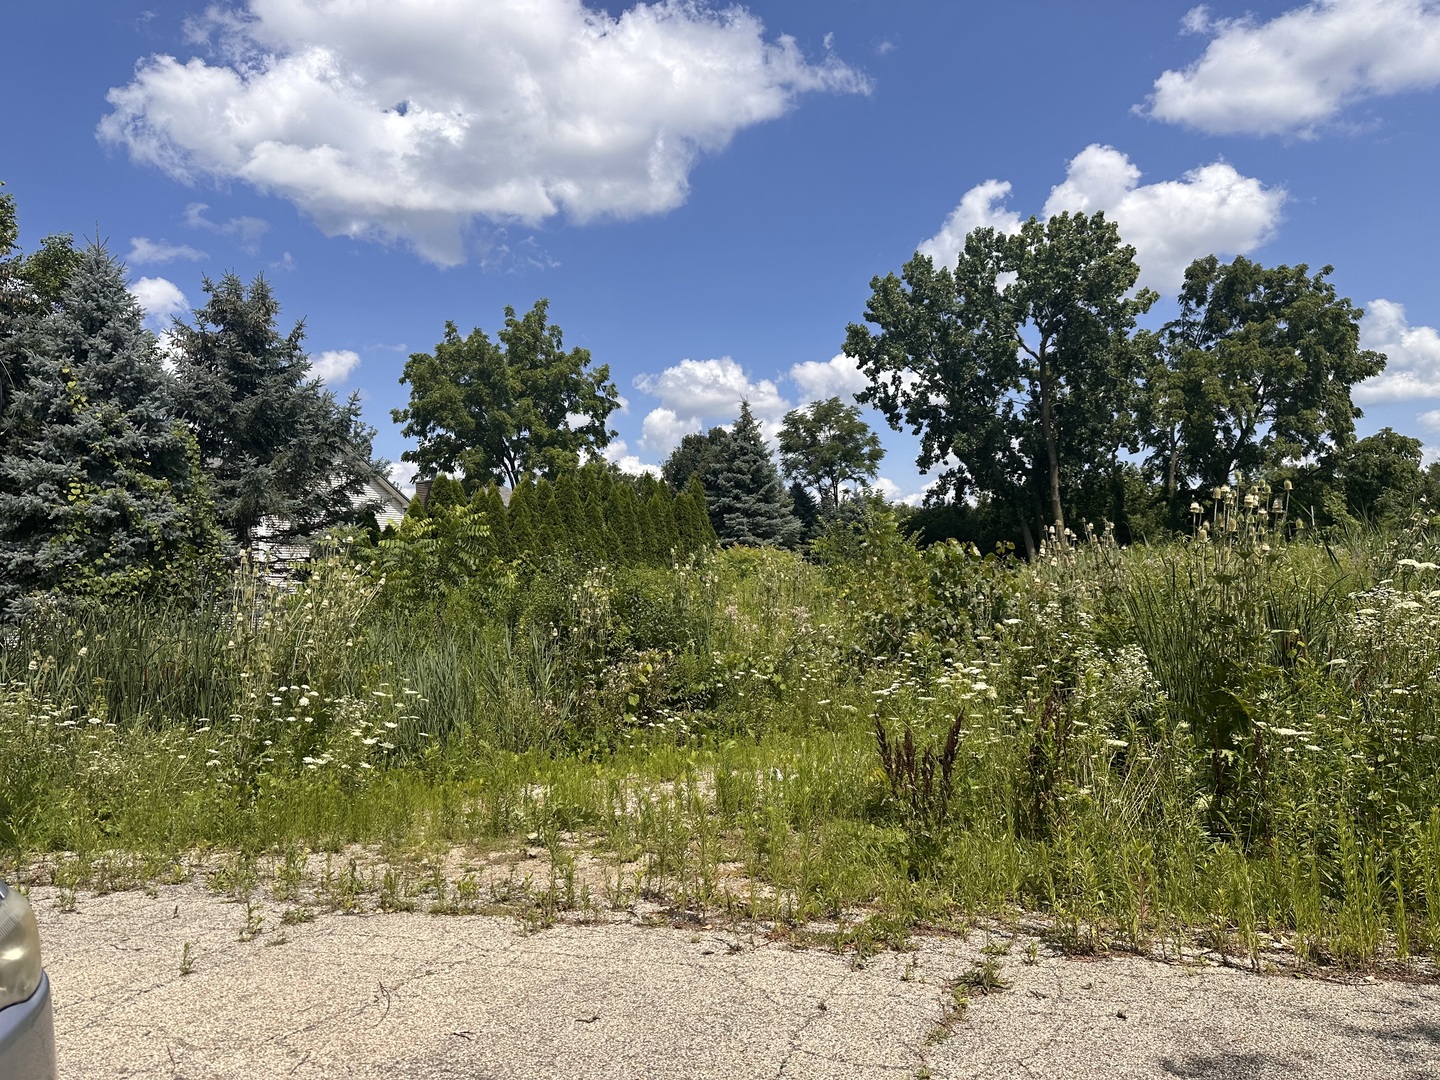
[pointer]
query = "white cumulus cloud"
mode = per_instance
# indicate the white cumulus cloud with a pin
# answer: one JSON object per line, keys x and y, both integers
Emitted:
{"x": 1301, "y": 68}
{"x": 161, "y": 300}
{"x": 402, "y": 475}
{"x": 1413, "y": 366}
{"x": 1211, "y": 209}
{"x": 662, "y": 429}
{"x": 979, "y": 207}
{"x": 840, "y": 376}
{"x": 695, "y": 394}
{"x": 334, "y": 365}
{"x": 410, "y": 119}
{"x": 145, "y": 250}
{"x": 894, "y": 493}
{"x": 712, "y": 389}
{"x": 618, "y": 454}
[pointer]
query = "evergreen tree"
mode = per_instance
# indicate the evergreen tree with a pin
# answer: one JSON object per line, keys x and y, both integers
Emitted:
{"x": 807, "y": 510}
{"x": 488, "y": 502}
{"x": 276, "y": 443}
{"x": 29, "y": 286}
{"x": 703, "y": 528}
{"x": 625, "y": 517}
{"x": 522, "y": 518}
{"x": 572, "y": 526}
{"x": 98, "y": 488}
{"x": 748, "y": 503}
{"x": 690, "y": 535}
{"x": 446, "y": 494}
{"x": 664, "y": 539}
{"x": 597, "y": 494}
{"x": 549, "y": 525}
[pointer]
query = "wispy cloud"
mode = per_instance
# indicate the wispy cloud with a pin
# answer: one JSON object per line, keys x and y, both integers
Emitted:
{"x": 145, "y": 251}
{"x": 246, "y": 229}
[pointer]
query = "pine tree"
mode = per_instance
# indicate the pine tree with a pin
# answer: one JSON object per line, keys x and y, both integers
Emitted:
{"x": 276, "y": 443}
{"x": 98, "y": 492}
{"x": 748, "y": 503}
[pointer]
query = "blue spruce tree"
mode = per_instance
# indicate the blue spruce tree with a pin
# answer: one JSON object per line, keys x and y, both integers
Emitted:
{"x": 100, "y": 491}
{"x": 748, "y": 503}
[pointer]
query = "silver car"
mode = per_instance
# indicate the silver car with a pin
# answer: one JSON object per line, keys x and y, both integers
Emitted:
{"x": 27, "y": 1026}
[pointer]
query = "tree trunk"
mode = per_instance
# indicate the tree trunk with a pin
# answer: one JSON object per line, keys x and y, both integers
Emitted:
{"x": 1173, "y": 466}
{"x": 1047, "y": 425}
{"x": 1027, "y": 537}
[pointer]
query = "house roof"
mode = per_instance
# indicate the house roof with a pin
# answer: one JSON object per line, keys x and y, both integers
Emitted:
{"x": 390, "y": 492}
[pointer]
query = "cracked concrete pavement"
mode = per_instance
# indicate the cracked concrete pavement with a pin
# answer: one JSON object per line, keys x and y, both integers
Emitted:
{"x": 415, "y": 995}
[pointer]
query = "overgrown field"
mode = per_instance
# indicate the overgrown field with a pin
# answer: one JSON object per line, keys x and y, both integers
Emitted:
{"x": 1238, "y": 739}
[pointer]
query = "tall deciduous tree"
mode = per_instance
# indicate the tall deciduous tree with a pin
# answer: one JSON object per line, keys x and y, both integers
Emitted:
{"x": 825, "y": 446}
{"x": 747, "y": 502}
{"x": 504, "y": 410}
{"x": 1259, "y": 369}
{"x": 100, "y": 490}
{"x": 276, "y": 443}
{"x": 1017, "y": 367}
{"x": 697, "y": 456}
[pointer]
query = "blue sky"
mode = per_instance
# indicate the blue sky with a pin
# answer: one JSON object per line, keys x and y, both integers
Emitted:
{"x": 704, "y": 193}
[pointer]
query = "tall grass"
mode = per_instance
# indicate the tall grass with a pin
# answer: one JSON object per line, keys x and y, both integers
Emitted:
{"x": 1233, "y": 736}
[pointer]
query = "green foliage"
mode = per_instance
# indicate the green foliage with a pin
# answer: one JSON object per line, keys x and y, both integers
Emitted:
{"x": 1380, "y": 477}
{"x": 825, "y": 446}
{"x": 446, "y": 494}
{"x": 1064, "y": 718}
{"x": 1028, "y": 385}
{"x": 100, "y": 492}
{"x": 698, "y": 456}
{"x": 498, "y": 409}
{"x": 488, "y": 502}
{"x": 747, "y": 502}
{"x": 448, "y": 549}
{"x": 277, "y": 445}
{"x": 1258, "y": 369}
{"x": 29, "y": 286}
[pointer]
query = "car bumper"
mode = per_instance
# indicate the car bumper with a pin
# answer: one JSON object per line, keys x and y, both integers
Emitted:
{"x": 27, "y": 1037}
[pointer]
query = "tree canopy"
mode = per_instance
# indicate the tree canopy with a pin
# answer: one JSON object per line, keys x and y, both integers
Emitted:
{"x": 100, "y": 487}
{"x": 826, "y": 445}
{"x": 504, "y": 410}
{"x": 1257, "y": 369}
{"x": 277, "y": 444}
{"x": 748, "y": 503}
{"x": 1017, "y": 368}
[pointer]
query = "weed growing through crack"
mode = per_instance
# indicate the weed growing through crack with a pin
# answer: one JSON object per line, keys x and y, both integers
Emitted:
{"x": 254, "y": 920}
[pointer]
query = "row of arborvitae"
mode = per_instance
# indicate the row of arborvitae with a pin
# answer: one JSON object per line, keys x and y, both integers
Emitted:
{"x": 589, "y": 514}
